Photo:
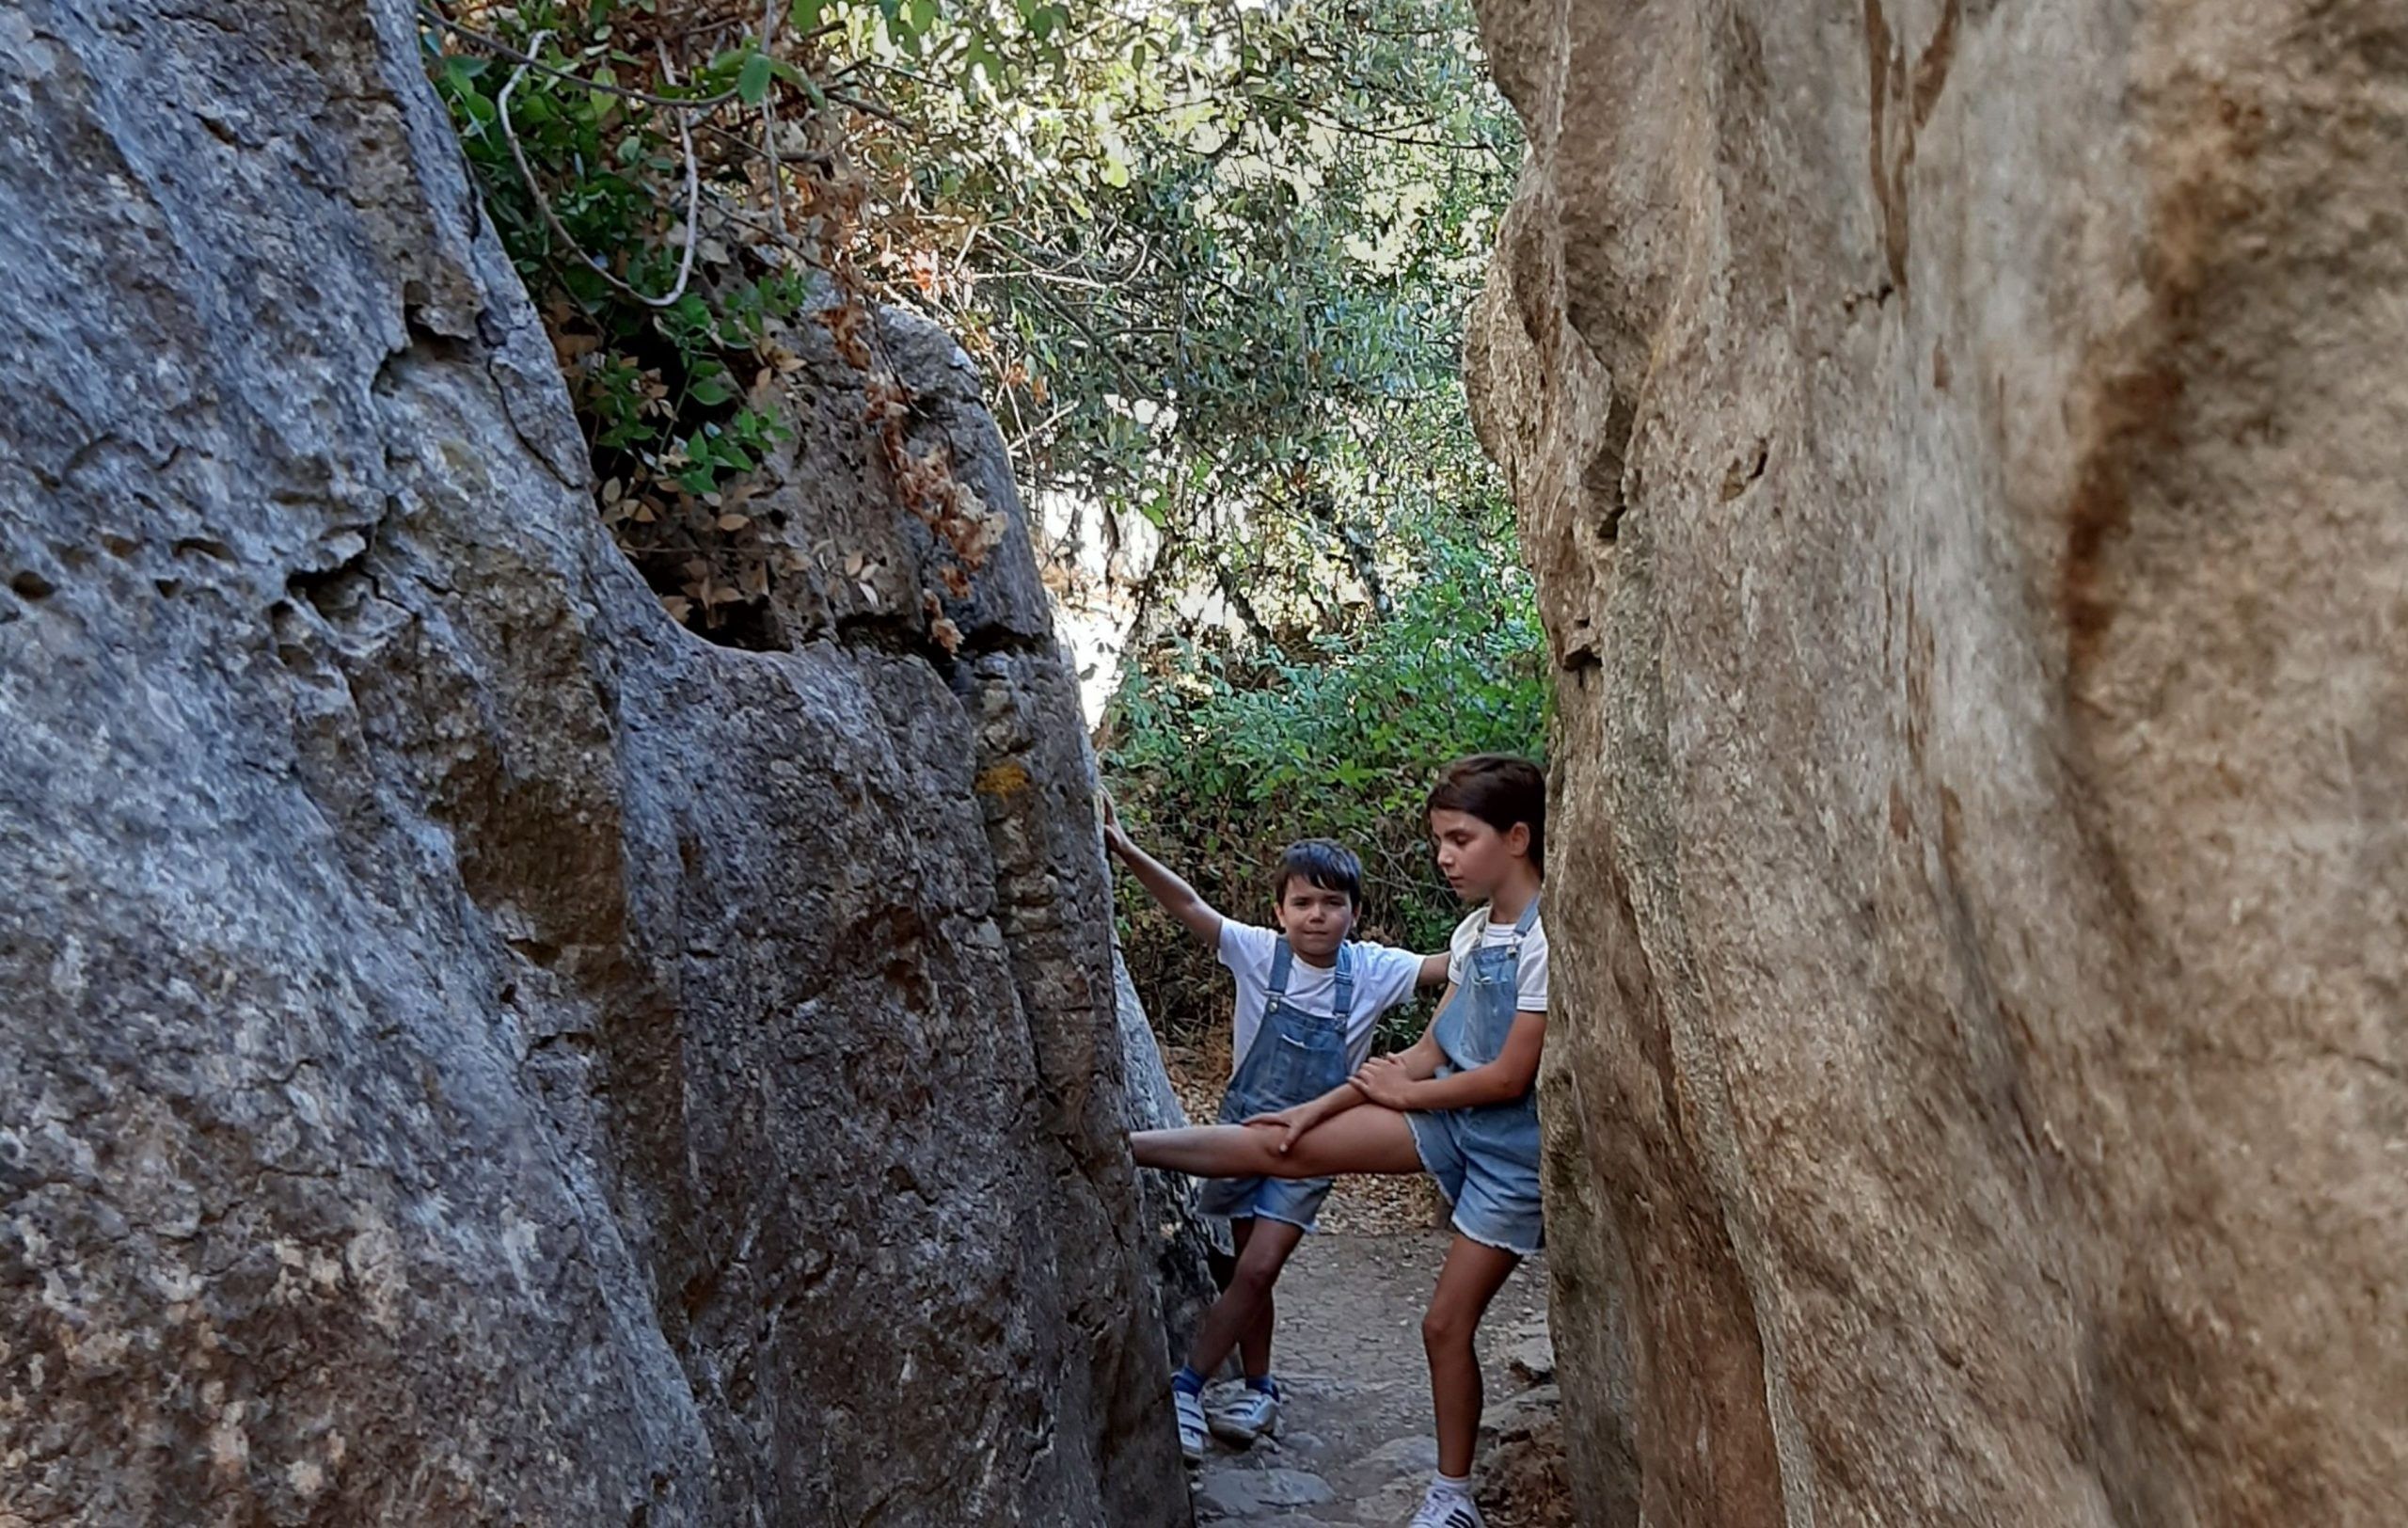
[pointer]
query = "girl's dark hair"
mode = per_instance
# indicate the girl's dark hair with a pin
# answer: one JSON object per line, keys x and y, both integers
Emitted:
{"x": 1500, "y": 790}
{"x": 1318, "y": 862}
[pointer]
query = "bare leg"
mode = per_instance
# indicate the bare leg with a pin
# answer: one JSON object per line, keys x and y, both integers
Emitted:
{"x": 1367, "y": 1138}
{"x": 1206, "y": 1150}
{"x": 1254, "y": 1348}
{"x": 1472, "y": 1275}
{"x": 1243, "y": 1309}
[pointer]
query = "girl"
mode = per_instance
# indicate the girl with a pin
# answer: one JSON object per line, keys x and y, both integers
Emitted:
{"x": 1460, "y": 1104}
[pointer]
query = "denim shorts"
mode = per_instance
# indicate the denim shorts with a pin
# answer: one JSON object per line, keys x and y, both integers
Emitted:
{"x": 1496, "y": 1194}
{"x": 1296, "y": 1200}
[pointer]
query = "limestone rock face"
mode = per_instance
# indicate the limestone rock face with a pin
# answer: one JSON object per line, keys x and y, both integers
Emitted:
{"x": 1184, "y": 1241}
{"x": 1962, "y": 450}
{"x": 471, "y": 1051}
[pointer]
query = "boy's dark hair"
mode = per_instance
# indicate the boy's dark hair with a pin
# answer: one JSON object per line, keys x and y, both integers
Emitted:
{"x": 1318, "y": 862}
{"x": 1500, "y": 790}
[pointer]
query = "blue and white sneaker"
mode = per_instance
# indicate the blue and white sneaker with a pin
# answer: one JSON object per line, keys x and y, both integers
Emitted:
{"x": 1190, "y": 1409}
{"x": 1255, "y": 1413}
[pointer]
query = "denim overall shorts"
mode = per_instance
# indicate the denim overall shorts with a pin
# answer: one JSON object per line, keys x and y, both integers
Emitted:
{"x": 1295, "y": 1058}
{"x": 1486, "y": 1157}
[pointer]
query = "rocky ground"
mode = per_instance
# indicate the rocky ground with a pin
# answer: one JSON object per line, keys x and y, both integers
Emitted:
{"x": 1356, "y": 1447}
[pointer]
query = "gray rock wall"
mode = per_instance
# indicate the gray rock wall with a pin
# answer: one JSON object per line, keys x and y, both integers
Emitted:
{"x": 1185, "y": 1242}
{"x": 472, "y": 1051}
{"x": 1963, "y": 451}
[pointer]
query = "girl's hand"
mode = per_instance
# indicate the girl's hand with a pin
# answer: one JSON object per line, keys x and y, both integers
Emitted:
{"x": 1387, "y": 1080}
{"x": 1113, "y": 837}
{"x": 1289, "y": 1123}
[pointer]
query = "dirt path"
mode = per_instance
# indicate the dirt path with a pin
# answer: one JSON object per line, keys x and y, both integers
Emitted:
{"x": 1356, "y": 1445}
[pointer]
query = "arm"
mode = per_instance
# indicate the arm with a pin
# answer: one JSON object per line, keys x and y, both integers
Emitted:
{"x": 1163, "y": 883}
{"x": 1434, "y": 970}
{"x": 1385, "y": 1078}
{"x": 1420, "y": 1060}
{"x": 1423, "y": 1058}
{"x": 1295, "y": 1120}
{"x": 1402, "y": 1082}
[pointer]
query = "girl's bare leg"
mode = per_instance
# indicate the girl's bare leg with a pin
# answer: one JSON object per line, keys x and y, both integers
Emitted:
{"x": 1367, "y": 1138}
{"x": 1471, "y": 1278}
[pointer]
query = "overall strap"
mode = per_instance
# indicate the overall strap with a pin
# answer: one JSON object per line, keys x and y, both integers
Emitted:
{"x": 1281, "y": 958}
{"x": 1529, "y": 919}
{"x": 1522, "y": 927}
{"x": 1344, "y": 1007}
{"x": 1511, "y": 948}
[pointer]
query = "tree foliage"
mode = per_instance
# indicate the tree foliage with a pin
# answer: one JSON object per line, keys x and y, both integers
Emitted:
{"x": 1222, "y": 752}
{"x": 1213, "y": 260}
{"x": 1213, "y": 257}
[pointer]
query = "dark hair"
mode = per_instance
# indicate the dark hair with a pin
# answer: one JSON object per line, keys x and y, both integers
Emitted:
{"x": 1321, "y": 863}
{"x": 1500, "y": 790}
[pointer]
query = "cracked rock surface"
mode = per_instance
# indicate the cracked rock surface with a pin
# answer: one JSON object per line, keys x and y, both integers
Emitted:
{"x": 471, "y": 1050}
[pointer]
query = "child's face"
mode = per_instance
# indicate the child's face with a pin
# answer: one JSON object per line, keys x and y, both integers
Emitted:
{"x": 1315, "y": 918}
{"x": 1474, "y": 856}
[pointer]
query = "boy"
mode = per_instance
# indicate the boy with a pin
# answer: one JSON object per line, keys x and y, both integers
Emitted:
{"x": 1307, "y": 1000}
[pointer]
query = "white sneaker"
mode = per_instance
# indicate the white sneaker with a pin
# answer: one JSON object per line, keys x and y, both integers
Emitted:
{"x": 1191, "y": 1425}
{"x": 1254, "y": 1415}
{"x": 1448, "y": 1509}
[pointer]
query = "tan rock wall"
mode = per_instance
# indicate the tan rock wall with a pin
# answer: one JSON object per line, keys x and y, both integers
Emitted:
{"x": 1962, "y": 448}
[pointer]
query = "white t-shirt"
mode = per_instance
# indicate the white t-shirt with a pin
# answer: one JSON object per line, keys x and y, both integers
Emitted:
{"x": 1477, "y": 930}
{"x": 1384, "y": 977}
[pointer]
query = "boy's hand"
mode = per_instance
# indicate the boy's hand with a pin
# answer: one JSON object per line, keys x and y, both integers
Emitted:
{"x": 1386, "y": 1079}
{"x": 1290, "y": 1122}
{"x": 1161, "y": 881}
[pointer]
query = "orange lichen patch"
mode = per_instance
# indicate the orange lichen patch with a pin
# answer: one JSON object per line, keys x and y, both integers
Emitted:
{"x": 1006, "y": 779}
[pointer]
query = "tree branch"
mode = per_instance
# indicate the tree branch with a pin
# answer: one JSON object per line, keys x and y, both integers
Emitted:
{"x": 528, "y": 60}
{"x": 693, "y": 185}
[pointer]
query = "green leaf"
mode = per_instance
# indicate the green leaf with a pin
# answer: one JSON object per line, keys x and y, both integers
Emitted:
{"x": 752, "y": 80}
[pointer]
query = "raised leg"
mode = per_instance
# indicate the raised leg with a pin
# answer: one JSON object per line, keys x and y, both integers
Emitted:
{"x": 1367, "y": 1139}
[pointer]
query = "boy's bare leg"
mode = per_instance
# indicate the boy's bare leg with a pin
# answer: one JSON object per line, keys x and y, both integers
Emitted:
{"x": 1254, "y": 1348}
{"x": 1367, "y": 1139}
{"x": 1470, "y": 1279}
{"x": 1243, "y": 1309}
